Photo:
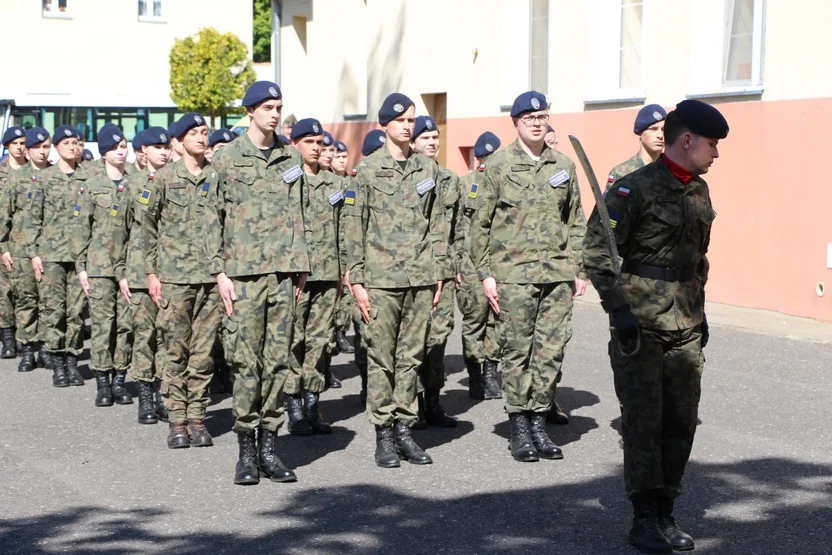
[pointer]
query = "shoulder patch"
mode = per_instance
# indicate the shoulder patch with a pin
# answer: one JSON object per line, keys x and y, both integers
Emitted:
{"x": 354, "y": 172}
{"x": 482, "y": 167}
{"x": 475, "y": 189}
{"x": 622, "y": 192}
{"x": 349, "y": 197}
{"x": 611, "y": 179}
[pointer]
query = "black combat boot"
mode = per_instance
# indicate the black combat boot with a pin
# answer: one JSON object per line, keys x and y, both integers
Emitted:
{"x": 75, "y": 377}
{"x": 421, "y": 421}
{"x": 330, "y": 381}
{"x": 312, "y": 413}
{"x": 59, "y": 377}
{"x": 9, "y": 348}
{"x": 27, "y": 358}
{"x": 246, "y": 472}
{"x": 489, "y": 380}
{"x": 520, "y": 444}
{"x": 104, "y": 395}
{"x": 343, "y": 343}
{"x": 556, "y": 415}
{"x": 407, "y": 448}
{"x": 271, "y": 465}
{"x": 120, "y": 393}
{"x": 646, "y": 534}
{"x": 298, "y": 426}
{"x": 434, "y": 413}
{"x": 159, "y": 402}
{"x": 544, "y": 445}
{"x": 44, "y": 357}
{"x": 476, "y": 390}
{"x": 198, "y": 433}
{"x": 386, "y": 454}
{"x": 678, "y": 539}
{"x": 178, "y": 435}
{"x": 147, "y": 410}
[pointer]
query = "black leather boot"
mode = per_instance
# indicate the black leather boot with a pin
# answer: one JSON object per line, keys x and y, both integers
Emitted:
{"x": 330, "y": 381}
{"x": 407, "y": 448}
{"x": 421, "y": 422}
{"x": 9, "y": 348}
{"x": 476, "y": 389}
{"x": 298, "y": 426}
{"x": 520, "y": 444}
{"x": 489, "y": 380}
{"x": 159, "y": 402}
{"x": 198, "y": 433}
{"x": 59, "y": 377}
{"x": 544, "y": 445}
{"x": 343, "y": 343}
{"x": 75, "y": 377}
{"x": 44, "y": 357}
{"x": 386, "y": 455}
{"x": 646, "y": 535}
{"x": 246, "y": 472}
{"x": 434, "y": 413}
{"x": 271, "y": 465}
{"x": 104, "y": 394}
{"x": 27, "y": 358}
{"x": 678, "y": 539}
{"x": 312, "y": 413}
{"x": 556, "y": 415}
{"x": 147, "y": 410}
{"x": 120, "y": 393}
{"x": 178, "y": 436}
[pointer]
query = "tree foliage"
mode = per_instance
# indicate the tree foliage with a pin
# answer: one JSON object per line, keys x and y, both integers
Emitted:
{"x": 209, "y": 72}
{"x": 262, "y": 31}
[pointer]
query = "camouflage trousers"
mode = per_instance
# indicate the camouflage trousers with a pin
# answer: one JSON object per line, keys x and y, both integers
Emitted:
{"x": 658, "y": 389}
{"x": 479, "y": 332}
{"x": 343, "y": 313}
{"x": 189, "y": 318}
{"x": 534, "y": 326}
{"x": 26, "y": 301}
{"x": 148, "y": 349}
{"x": 110, "y": 313}
{"x": 257, "y": 339}
{"x": 314, "y": 329}
{"x": 395, "y": 337}
{"x": 432, "y": 376}
{"x": 6, "y": 299}
{"x": 60, "y": 314}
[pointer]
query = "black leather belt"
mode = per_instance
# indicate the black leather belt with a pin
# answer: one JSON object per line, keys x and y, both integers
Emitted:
{"x": 657, "y": 272}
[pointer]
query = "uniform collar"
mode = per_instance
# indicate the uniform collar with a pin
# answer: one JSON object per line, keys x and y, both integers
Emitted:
{"x": 680, "y": 173}
{"x": 183, "y": 173}
{"x": 247, "y": 148}
{"x": 548, "y": 154}
{"x": 388, "y": 162}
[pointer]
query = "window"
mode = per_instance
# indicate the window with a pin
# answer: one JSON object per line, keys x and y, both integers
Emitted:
{"x": 629, "y": 66}
{"x": 616, "y": 41}
{"x": 56, "y": 8}
{"x": 515, "y": 43}
{"x": 150, "y": 10}
{"x": 737, "y": 67}
{"x": 540, "y": 46}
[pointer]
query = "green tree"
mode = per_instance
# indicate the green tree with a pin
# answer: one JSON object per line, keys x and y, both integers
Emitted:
{"x": 262, "y": 31}
{"x": 209, "y": 72}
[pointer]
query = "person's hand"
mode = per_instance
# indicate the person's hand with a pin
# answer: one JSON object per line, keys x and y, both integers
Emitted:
{"x": 85, "y": 283}
{"x": 227, "y": 294}
{"x": 125, "y": 289}
{"x": 437, "y": 294}
{"x": 458, "y": 281}
{"x": 362, "y": 300}
{"x": 705, "y": 329}
{"x": 7, "y": 260}
{"x": 37, "y": 266}
{"x": 626, "y": 328}
{"x": 489, "y": 286}
{"x": 301, "y": 285}
{"x": 579, "y": 287}
{"x": 154, "y": 287}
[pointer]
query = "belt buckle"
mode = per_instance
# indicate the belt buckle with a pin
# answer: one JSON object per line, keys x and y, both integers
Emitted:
{"x": 669, "y": 274}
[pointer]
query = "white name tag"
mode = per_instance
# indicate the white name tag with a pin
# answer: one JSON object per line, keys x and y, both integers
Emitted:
{"x": 290, "y": 176}
{"x": 336, "y": 197}
{"x": 559, "y": 178}
{"x": 425, "y": 186}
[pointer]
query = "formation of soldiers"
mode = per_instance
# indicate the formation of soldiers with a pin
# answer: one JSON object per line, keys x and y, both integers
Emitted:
{"x": 254, "y": 255}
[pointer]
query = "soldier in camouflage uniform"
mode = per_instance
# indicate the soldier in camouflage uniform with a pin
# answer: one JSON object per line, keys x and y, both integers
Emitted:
{"x": 649, "y": 127}
{"x": 526, "y": 238}
{"x": 60, "y": 314}
{"x": 480, "y": 347}
{"x": 140, "y": 163}
{"x": 257, "y": 250}
{"x": 328, "y": 152}
{"x": 100, "y": 230}
{"x": 173, "y": 243}
{"x": 425, "y": 141}
{"x": 17, "y": 235}
{"x": 344, "y": 311}
{"x": 396, "y": 244}
{"x": 148, "y": 358}
{"x": 661, "y": 217}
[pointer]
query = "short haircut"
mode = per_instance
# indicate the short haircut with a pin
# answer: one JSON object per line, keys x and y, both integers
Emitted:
{"x": 674, "y": 128}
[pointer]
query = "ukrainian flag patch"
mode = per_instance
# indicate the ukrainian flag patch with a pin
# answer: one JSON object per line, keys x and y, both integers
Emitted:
{"x": 474, "y": 190}
{"x": 114, "y": 210}
{"x": 349, "y": 197}
{"x": 205, "y": 188}
{"x": 144, "y": 198}
{"x": 77, "y": 211}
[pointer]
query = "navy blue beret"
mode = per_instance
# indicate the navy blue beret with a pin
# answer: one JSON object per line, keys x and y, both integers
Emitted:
{"x": 79, "y": 134}
{"x": 550, "y": 129}
{"x": 703, "y": 119}
{"x": 392, "y": 107}
{"x": 221, "y": 135}
{"x": 36, "y": 135}
{"x": 188, "y": 122}
{"x": 172, "y": 130}
{"x": 373, "y": 141}
{"x": 88, "y": 155}
{"x": 529, "y": 101}
{"x": 155, "y": 136}
{"x": 260, "y": 91}
{"x": 423, "y": 123}
{"x": 137, "y": 141}
{"x": 486, "y": 144}
{"x": 307, "y": 127}
{"x": 64, "y": 132}
{"x": 340, "y": 147}
{"x": 109, "y": 136}
{"x": 328, "y": 139}
{"x": 284, "y": 139}
{"x": 647, "y": 116}
{"x": 12, "y": 133}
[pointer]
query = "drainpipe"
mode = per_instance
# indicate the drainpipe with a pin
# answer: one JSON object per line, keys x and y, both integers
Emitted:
{"x": 276, "y": 39}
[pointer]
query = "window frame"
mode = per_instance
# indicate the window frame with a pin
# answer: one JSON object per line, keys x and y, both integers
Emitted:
{"x": 150, "y": 18}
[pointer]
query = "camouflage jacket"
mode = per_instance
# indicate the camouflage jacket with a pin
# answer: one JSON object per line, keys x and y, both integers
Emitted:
{"x": 260, "y": 221}
{"x": 175, "y": 224}
{"x": 468, "y": 192}
{"x": 54, "y": 215}
{"x": 394, "y": 234}
{"x": 657, "y": 221}
{"x": 325, "y": 194}
{"x": 624, "y": 168}
{"x": 100, "y": 230}
{"x": 21, "y": 192}
{"x": 528, "y": 225}
{"x": 448, "y": 195}
{"x": 131, "y": 263}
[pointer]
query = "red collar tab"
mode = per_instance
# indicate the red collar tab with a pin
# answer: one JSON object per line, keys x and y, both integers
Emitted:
{"x": 681, "y": 173}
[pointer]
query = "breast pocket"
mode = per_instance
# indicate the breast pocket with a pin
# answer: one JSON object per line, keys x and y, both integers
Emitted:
{"x": 661, "y": 225}
{"x": 176, "y": 208}
{"x": 514, "y": 192}
{"x": 102, "y": 203}
{"x": 239, "y": 186}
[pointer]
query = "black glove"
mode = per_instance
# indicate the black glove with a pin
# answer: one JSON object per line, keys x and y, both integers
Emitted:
{"x": 626, "y": 327}
{"x": 706, "y": 332}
